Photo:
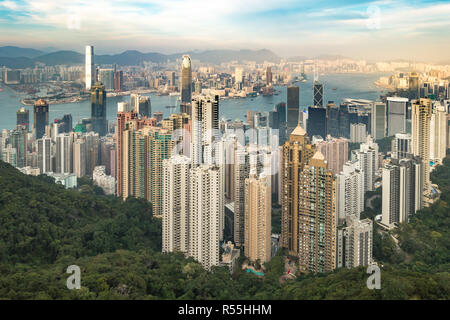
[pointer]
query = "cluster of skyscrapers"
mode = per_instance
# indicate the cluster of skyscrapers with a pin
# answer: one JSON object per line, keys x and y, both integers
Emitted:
{"x": 213, "y": 181}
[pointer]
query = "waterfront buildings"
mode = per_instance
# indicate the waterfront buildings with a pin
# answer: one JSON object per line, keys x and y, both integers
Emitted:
{"x": 98, "y": 109}
{"x": 89, "y": 67}
{"x": 40, "y": 118}
{"x": 186, "y": 85}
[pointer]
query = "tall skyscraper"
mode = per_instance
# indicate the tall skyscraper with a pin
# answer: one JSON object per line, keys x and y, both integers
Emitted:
{"x": 64, "y": 156}
{"x": 79, "y": 157}
{"x": 118, "y": 80}
{"x": 239, "y": 75}
{"x": 44, "y": 148}
{"x": 318, "y": 94}
{"x": 268, "y": 76}
{"x": 186, "y": 85}
{"x": 317, "y": 215}
{"x": 241, "y": 172}
{"x": 332, "y": 120}
{"x": 144, "y": 148}
{"x": 296, "y": 153}
{"x": 160, "y": 147}
{"x": 378, "y": 118}
{"x": 19, "y": 140}
{"x": 396, "y": 115}
{"x": 438, "y": 133}
{"x": 144, "y": 106}
{"x": 40, "y": 118}
{"x": 402, "y": 190}
{"x": 293, "y": 108}
{"x": 420, "y": 132}
{"x": 317, "y": 122}
{"x": 205, "y": 128}
{"x": 413, "y": 84}
{"x": 89, "y": 67}
{"x": 123, "y": 116}
{"x": 258, "y": 207}
{"x": 350, "y": 191}
{"x": 23, "y": 117}
{"x": 106, "y": 77}
{"x": 98, "y": 109}
{"x": 206, "y": 209}
{"x": 278, "y": 121}
{"x": 176, "y": 204}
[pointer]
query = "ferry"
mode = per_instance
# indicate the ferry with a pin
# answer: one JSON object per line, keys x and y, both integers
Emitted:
{"x": 334, "y": 89}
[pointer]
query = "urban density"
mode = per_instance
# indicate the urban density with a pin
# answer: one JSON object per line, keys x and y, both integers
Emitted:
{"x": 240, "y": 157}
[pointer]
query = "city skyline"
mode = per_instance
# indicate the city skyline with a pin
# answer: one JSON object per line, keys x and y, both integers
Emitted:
{"x": 352, "y": 28}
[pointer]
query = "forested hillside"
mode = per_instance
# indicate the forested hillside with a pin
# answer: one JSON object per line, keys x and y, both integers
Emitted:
{"x": 45, "y": 228}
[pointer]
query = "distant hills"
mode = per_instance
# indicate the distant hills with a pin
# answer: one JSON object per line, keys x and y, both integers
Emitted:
{"x": 15, "y": 57}
{"x": 16, "y": 52}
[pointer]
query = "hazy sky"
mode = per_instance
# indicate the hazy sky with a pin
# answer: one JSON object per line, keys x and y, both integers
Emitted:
{"x": 415, "y": 30}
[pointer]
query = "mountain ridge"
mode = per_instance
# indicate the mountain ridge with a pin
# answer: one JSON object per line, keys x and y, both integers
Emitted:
{"x": 25, "y": 57}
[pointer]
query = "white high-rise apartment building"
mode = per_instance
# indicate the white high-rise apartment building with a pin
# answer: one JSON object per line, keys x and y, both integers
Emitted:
{"x": 438, "y": 133}
{"x": 358, "y": 132}
{"x": 89, "y": 70}
{"x": 205, "y": 128}
{"x": 396, "y": 119}
{"x": 44, "y": 147}
{"x": 402, "y": 190}
{"x": 206, "y": 210}
{"x": 350, "y": 191}
{"x": 355, "y": 243}
{"x": 401, "y": 145}
{"x": 176, "y": 204}
{"x": 239, "y": 74}
{"x": 367, "y": 162}
{"x": 64, "y": 155}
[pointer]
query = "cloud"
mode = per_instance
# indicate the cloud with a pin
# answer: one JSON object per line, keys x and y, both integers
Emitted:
{"x": 201, "y": 24}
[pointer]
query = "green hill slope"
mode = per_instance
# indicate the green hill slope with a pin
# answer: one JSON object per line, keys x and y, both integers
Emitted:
{"x": 45, "y": 228}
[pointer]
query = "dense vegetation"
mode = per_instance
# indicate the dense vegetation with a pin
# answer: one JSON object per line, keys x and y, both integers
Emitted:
{"x": 45, "y": 228}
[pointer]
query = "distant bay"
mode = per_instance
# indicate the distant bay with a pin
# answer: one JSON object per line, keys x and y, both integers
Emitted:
{"x": 348, "y": 85}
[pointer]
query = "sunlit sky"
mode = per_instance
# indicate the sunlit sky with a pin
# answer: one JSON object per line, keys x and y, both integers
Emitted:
{"x": 372, "y": 30}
